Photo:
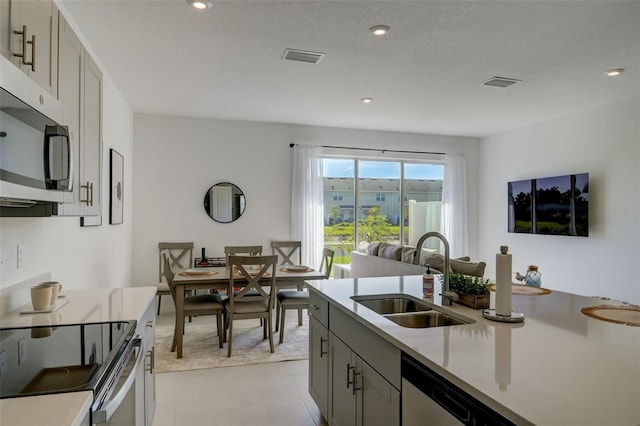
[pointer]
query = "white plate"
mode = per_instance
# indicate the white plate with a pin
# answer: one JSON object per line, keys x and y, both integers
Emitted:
{"x": 297, "y": 268}
{"x": 196, "y": 271}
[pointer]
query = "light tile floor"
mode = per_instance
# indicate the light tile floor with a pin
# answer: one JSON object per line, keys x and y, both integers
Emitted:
{"x": 251, "y": 395}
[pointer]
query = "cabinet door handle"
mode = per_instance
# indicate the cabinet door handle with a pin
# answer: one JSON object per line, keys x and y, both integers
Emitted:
{"x": 322, "y": 353}
{"x": 315, "y": 307}
{"x": 355, "y": 382}
{"x": 151, "y": 356}
{"x": 33, "y": 53}
{"x": 349, "y": 368}
{"x": 21, "y": 55}
{"x": 150, "y": 324}
{"x": 89, "y": 187}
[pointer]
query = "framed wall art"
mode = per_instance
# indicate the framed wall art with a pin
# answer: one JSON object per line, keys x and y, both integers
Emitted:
{"x": 116, "y": 187}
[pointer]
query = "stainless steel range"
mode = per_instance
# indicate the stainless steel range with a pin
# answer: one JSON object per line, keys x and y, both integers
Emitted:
{"x": 100, "y": 357}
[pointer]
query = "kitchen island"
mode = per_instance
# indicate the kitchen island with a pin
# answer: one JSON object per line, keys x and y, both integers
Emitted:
{"x": 558, "y": 367}
{"x": 84, "y": 306}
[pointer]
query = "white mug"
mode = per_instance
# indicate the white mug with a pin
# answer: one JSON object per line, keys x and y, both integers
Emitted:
{"x": 41, "y": 296}
{"x": 56, "y": 288}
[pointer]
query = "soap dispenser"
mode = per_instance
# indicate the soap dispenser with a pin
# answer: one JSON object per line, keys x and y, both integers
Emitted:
{"x": 427, "y": 283}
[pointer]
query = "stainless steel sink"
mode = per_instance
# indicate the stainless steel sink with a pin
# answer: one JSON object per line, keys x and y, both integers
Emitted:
{"x": 410, "y": 312}
{"x": 424, "y": 319}
{"x": 394, "y": 305}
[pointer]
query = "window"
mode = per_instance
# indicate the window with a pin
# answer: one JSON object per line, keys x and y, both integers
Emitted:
{"x": 369, "y": 200}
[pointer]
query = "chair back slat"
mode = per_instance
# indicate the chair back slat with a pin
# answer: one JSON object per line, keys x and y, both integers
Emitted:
{"x": 177, "y": 255}
{"x": 287, "y": 251}
{"x": 253, "y": 281}
{"x": 242, "y": 251}
{"x": 327, "y": 261}
{"x": 168, "y": 274}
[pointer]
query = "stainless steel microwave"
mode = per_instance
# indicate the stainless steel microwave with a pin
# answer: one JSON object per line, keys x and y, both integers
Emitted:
{"x": 35, "y": 150}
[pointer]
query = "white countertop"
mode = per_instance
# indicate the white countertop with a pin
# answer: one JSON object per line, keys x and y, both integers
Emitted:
{"x": 559, "y": 367}
{"x": 97, "y": 305}
{"x": 59, "y": 409}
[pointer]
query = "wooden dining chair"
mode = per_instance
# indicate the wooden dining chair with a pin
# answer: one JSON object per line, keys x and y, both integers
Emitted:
{"x": 255, "y": 277}
{"x": 288, "y": 252}
{"x": 291, "y": 299}
{"x": 204, "y": 304}
{"x": 177, "y": 254}
{"x": 242, "y": 251}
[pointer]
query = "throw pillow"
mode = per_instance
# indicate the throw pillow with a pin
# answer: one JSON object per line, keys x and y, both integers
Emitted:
{"x": 434, "y": 260}
{"x": 468, "y": 268}
{"x": 373, "y": 249}
{"x": 389, "y": 251}
{"x": 407, "y": 254}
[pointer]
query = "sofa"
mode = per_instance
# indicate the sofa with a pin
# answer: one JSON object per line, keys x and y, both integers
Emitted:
{"x": 383, "y": 260}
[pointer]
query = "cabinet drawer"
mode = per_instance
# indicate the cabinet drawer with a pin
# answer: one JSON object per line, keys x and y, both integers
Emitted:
{"x": 376, "y": 351}
{"x": 319, "y": 308}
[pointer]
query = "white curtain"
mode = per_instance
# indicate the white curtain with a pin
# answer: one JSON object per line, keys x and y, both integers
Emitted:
{"x": 454, "y": 196}
{"x": 307, "y": 210}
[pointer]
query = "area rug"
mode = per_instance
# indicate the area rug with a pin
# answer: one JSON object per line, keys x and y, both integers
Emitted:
{"x": 200, "y": 344}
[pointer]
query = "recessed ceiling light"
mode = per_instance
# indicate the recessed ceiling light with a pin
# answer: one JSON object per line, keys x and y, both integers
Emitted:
{"x": 379, "y": 29}
{"x": 614, "y": 72}
{"x": 200, "y": 4}
{"x": 366, "y": 100}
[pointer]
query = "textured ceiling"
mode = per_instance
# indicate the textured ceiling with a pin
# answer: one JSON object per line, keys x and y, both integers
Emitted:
{"x": 425, "y": 75}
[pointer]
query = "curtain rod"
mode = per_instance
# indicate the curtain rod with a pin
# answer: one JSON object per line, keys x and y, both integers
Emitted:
{"x": 291, "y": 145}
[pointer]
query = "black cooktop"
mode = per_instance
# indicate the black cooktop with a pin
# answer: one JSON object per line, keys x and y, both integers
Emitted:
{"x": 59, "y": 358}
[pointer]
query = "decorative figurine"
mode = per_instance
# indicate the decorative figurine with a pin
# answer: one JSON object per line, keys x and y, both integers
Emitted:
{"x": 533, "y": 277}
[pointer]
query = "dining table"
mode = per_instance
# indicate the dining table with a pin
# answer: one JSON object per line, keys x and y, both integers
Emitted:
{"x": 218, "y": 278}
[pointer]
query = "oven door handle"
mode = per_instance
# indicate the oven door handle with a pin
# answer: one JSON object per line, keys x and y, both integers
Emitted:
{"x": 104, "y": 414}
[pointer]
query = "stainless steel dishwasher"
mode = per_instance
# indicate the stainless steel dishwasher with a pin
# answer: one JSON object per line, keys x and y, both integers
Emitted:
{"x": 428, "y": 399}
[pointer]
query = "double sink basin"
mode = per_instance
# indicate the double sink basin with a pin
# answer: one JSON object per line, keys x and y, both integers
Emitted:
{"x": 410, "y": 312}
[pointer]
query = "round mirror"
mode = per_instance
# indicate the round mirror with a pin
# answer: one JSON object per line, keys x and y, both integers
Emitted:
{"x": 224, "y": 202}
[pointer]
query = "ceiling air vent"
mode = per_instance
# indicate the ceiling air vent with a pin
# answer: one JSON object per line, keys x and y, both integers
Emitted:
{"x": 302, "y": 56}
{"x": 500, "y": 82}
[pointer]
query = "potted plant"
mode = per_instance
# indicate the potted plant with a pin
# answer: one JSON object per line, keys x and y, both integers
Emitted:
{"x": 472, "y": 291}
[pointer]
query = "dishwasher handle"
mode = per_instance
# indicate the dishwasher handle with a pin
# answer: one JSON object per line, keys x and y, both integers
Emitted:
{"x": 459, "y": 411}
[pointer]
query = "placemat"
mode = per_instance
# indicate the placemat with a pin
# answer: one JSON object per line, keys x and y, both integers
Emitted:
{"x": 524, "y": 290}
{"x": 285, "y": 269}
{"x": 209, "y": 273}
{"x": 626, "y": 315}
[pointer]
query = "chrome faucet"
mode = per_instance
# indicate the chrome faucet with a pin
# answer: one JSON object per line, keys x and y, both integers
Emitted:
{"x": 447, "y": 295}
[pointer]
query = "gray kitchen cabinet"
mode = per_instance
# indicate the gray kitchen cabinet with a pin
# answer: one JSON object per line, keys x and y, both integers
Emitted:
{"x": 354, "y": 374}
{"x": 145, "y": 381}
{"x": 80, "y": 92}
{"x": 319, "y": 365}
{"x": 28, "y": 38}
{"x": 358, "y": 394}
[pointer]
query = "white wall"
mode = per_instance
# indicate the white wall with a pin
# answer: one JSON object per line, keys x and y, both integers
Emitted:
{"x": 79, "y": 257}
{"x": 604, "y": 142}
{"x": 177, "y": 159}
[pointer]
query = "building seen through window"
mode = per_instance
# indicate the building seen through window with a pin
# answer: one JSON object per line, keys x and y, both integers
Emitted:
{"x": 370, "y": 200}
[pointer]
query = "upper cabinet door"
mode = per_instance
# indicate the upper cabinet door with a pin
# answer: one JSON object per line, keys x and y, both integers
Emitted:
{"x": 80, "y": 92}
{"x": 70, "y": 66}
{"x": 91, "y": 143}
{"x": 28, "y": 38}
